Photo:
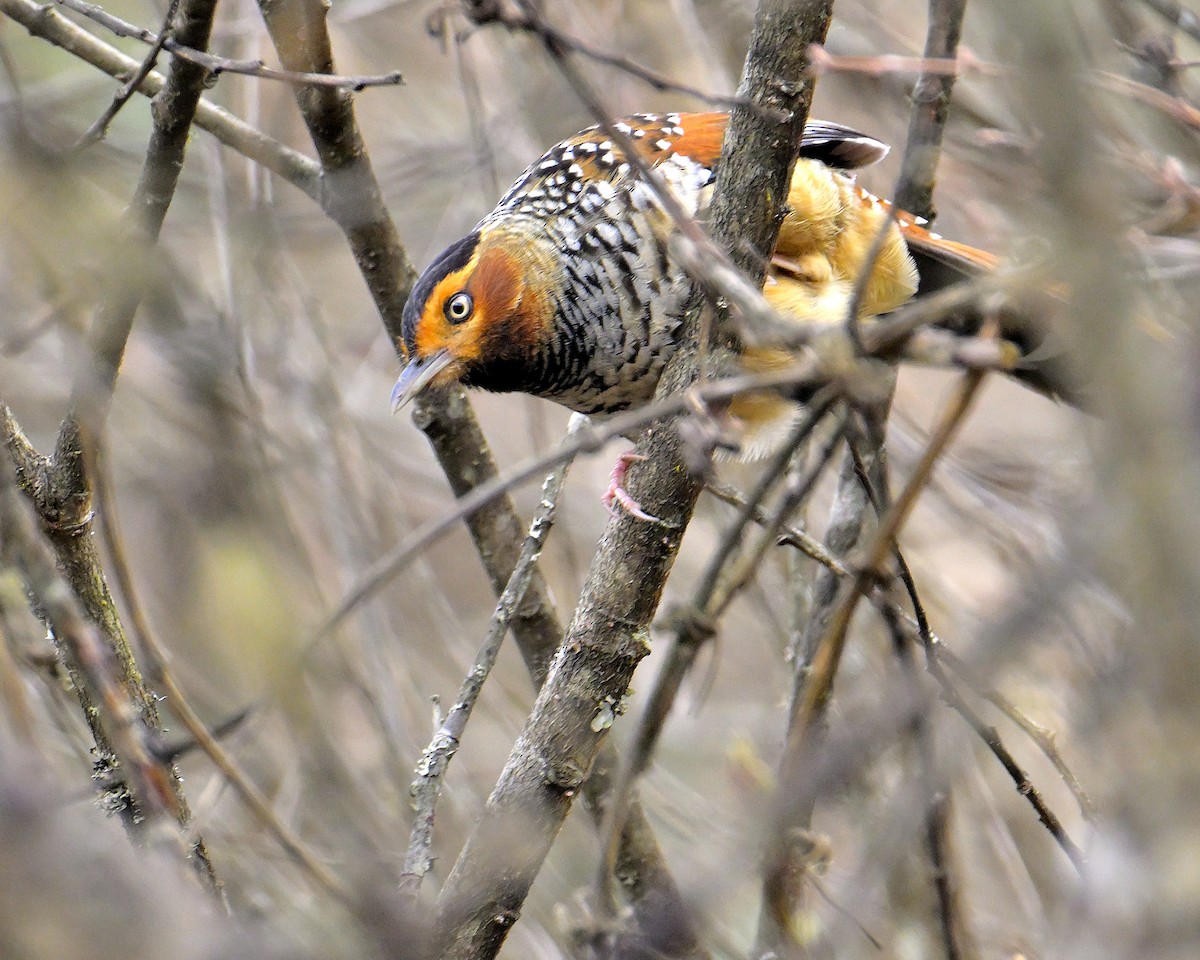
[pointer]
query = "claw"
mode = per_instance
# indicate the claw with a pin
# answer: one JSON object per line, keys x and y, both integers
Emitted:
{"x": 616, "y": 499}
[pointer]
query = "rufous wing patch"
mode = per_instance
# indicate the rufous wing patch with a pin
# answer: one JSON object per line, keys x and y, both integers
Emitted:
{"x": 702, "y": 137}
{"x": 967, "y": 258}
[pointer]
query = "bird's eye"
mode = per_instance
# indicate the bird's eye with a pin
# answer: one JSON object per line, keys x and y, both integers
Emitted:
{"x": 459, "y": 307}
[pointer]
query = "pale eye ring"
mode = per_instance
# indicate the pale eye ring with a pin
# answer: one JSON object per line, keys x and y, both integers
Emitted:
{"x": 459, "y": 307}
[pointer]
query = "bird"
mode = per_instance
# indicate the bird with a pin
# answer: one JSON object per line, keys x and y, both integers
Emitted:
{"x": 568, "y": 290}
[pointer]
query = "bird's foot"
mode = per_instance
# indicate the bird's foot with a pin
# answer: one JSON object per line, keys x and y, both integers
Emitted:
{"x": 616, "y": 499}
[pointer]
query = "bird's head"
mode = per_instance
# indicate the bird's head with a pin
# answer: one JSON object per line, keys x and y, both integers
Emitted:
{"x": 478, "y": 313}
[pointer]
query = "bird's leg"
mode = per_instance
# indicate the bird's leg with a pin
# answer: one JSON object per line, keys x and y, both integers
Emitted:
{"x": 616, "y": 498}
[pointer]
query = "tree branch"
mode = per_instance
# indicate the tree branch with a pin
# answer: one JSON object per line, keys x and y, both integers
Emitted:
{"x": 302, "y": 42}
{"x": 59, "y": 489}
{"x": 607, "y": 636}
{"x": 45, "y": 22}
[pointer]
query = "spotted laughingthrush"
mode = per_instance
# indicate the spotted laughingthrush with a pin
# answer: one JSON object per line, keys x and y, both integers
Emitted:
{"x": 567, "y": 291}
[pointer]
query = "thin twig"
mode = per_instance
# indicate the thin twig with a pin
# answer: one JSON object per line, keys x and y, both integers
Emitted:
{"x": 436, "y": 758}
{"x": 956, "y": 941}
{"x": 936, "y": 797}
{"x": 216, "y": 65}
{"x": 876, "y": 66}
{"x": 98, "y": 129}
{"x": 529, "y": 21}
{"x": 934, "y": 650}
{"x": 1175, "y": 107}
{"x": 1043, "y": 737}
{"x": 1024, "y": 786}
{"x": 159, "y": 671}
{"x": 46, "y": 23}
{"x": 789, "y": 536}
{"x": 918, "y": 627}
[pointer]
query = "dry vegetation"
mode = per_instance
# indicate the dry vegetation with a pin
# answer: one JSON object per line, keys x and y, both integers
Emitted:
{"x": 248, "y": 479}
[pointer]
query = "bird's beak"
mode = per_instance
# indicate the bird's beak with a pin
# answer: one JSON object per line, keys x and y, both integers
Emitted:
{"x": 417, "y": 375}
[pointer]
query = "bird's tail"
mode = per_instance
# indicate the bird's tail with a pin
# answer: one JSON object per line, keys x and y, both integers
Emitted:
{"x": 942, "y": 263}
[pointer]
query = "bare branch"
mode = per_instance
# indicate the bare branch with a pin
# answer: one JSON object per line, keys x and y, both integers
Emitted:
{"x": 100, "y": 127}
{"x": 217, "y": 65}
{"x": 161, "y": 674}
{"x": 436, "y": 758}
{"x": 134, "y": 776}
{"x": 46, "y": 23}
{"x": 530, "y": 21}
{"x": 606, "y": 639}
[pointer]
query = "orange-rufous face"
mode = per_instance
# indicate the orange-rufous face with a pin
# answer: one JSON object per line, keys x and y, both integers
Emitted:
{"x": 481, "y": 302}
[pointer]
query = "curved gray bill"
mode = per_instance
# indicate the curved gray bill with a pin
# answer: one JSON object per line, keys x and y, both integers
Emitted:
{"x": 416, "y": 376}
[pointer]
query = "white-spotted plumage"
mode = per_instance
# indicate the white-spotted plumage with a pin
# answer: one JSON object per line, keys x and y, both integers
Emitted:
{"x": 577, "y": 298}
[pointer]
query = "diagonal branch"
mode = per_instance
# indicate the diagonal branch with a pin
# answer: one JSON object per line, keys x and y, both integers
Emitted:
{"x": 100, "y": 126}
{"x": 48, "y": 24}
{"x": 352, "y": 196}
{"x": 607, "y": 636}
{"x": 435, "y": 759}
{"x": 58, "y": 486}
{"x": 217, "y": 65}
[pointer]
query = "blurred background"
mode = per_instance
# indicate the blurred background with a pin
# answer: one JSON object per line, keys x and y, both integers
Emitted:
{"x": 258, "y": 472}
